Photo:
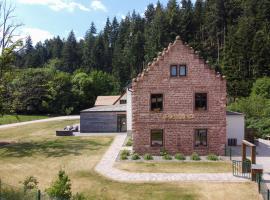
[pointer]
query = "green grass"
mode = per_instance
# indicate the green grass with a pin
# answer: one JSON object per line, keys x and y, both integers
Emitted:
{"x": 10, "y": 119}
{"x": 176, "y": 167}
{"x": 36, "y": 151}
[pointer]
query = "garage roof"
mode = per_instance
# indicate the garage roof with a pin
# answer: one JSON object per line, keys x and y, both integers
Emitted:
{"x": 233, "y": 113}
{"x": 111, "y": 108}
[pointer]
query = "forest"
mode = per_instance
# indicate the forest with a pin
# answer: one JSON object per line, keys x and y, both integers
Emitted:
{"x": 64, "y": 75}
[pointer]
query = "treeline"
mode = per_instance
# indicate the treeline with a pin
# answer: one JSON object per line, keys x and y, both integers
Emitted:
{"x": 49, "y": 91}
{"x": 233, "y": 35}
{"x": 65, "y": 75}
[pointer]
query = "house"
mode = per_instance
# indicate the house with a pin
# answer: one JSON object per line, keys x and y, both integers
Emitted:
{"x": 178, "y": 103}
{"x": 108, "y": 115}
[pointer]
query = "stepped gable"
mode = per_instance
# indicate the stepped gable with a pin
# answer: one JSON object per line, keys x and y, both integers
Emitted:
{"x": 162, "y": 55}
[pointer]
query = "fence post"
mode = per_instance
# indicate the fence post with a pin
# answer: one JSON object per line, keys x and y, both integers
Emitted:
{"x": 0, "y": 189}
{"x": 38, "y": 195}
{"x": 259, "y": 183}
{"x": 268, "y": 194}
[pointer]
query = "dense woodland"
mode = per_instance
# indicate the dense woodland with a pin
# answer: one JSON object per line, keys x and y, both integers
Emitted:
{"x": 63, "y": 76}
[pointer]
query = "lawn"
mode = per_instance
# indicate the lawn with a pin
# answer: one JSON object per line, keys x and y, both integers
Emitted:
{"x": 9, "y": 119}
{"x": 35, "y": 150}
{"x": 176, "y": 167}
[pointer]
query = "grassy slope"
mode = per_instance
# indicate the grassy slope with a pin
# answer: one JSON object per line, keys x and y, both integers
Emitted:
{"x": 38, "y": 152}
{"x": 178, "y": 167}
{"x": 9, "y": 119}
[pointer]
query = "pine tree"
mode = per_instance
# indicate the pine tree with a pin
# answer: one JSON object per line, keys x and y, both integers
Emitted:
{"x": 89, "y": 42}
{"x": 71, "y": 59}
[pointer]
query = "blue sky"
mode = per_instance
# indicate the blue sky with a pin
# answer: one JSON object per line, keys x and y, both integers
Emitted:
{"x": 47, "y": 18}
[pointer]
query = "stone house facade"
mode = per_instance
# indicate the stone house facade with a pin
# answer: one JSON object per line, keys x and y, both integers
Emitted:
{"x": 179, "y": 105}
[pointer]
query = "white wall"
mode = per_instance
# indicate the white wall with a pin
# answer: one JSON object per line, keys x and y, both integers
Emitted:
{"x": 129, "y": 111}
{"x": 236, "y": 127}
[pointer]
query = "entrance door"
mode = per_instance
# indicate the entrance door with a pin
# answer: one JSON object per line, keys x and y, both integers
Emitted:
{"x": 121, "y": 123}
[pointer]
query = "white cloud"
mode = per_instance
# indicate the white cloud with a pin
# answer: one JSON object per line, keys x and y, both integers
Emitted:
{"x": 98, "y": 5}
{"x": 57, "y": 5}
{"x": 36, "y": 34}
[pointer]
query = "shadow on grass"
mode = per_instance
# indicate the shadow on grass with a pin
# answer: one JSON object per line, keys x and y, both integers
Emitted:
{"x": 51, "y": 148}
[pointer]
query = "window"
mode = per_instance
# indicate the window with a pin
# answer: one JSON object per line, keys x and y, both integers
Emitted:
{"x": 157, "y": 138}
{"x": 123, "y": 101}
{"x": 156, "y": 102}
{"x": 200, "y": 101}
{"x": 173, "y": 71}
{"x": 232, "y": 142}
{"x": 200, "y": 137}
{"x": 182, "y": 70}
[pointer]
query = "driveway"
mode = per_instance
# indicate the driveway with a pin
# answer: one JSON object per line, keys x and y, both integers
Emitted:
{"x": 73, "y": 117}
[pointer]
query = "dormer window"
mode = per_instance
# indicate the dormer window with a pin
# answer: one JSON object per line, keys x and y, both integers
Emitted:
{"x": 182, "y": 70}
{"x": 174, "y": 71}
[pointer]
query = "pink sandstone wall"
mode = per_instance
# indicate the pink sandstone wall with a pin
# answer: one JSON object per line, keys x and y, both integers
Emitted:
{"x": 178, "y": 98}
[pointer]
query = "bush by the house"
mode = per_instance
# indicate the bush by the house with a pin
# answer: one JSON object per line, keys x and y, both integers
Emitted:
{"x": 179, "y": 156}
{"x": 124, "y": 154}
{"x": 129, "y": 142}
{"x": 148, "y": 157}
{"x": 212, "y": 157}
{"x": 163, "y": 152}
{"x": 195, "y": 156}
{"x": 167, "y": 157}
{"x": 135, "y": 156}
{"x": 60, "y": 188}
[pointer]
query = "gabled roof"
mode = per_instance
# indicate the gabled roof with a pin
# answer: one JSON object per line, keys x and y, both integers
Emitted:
{"x": 161, "y": 55}
{"x": 111, "y": 108}
{"x": 106, "y": 100}
{"x": 120, "y": 97}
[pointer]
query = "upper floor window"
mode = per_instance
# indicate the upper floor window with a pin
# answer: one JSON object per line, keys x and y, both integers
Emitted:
{"x": 182, "y": 70}
{"x": 200, "y": 137}
{"x": 157, "y": 138}
{"x": 156, "y": 102}
{"x": 173, "y": 70}
{"x": 201, "y": 101}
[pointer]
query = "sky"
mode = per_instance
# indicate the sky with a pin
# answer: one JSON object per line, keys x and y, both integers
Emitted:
{"x": 44, "y": 19}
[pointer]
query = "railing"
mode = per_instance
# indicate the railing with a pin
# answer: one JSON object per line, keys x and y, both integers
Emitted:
{"x": 228, "y": 152}
{"x": 262, "y": 187}
{"x": 241, "y": 169}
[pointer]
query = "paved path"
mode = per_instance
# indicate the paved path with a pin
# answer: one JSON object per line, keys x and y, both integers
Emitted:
{"x": 105, "y": 167}
{"x": 73, "y": 117}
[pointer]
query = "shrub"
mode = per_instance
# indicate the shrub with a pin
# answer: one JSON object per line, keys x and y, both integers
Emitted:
{"x": 124, "y": 154}
{"x": 30, "y": 183}
{"x": 212, "y": 157}
{"x": 167, "y": 157}
{"x": 60, "y": 188}
{"x": 163, "y": 152}
{"x": 179, "y": 156}
{"x": 195, "y": 156}
{"x": 148, "y": 157}
{"x": 79, "y": 196}
{"x": 135, "y": 156}
{"x": 129, "y": 142}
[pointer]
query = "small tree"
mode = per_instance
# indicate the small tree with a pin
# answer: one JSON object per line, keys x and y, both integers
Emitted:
{"x": 60, "y": 188}
{"x": 30, "y": 183}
